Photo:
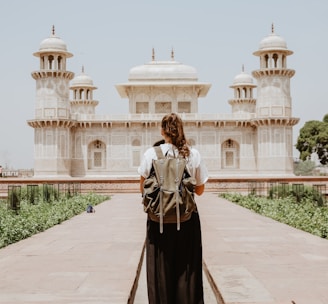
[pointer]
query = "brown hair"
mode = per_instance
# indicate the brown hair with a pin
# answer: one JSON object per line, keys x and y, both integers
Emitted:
{"x": 172, "y": 127}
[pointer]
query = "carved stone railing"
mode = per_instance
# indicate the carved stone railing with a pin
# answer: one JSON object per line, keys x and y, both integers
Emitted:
{"x": 158, "y": 117}
{"x": 109, "y": 186}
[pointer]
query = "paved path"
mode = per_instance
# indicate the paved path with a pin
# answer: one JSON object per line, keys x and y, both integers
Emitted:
{"x": 93, "y": 258}
{"x": 256, "y": 260}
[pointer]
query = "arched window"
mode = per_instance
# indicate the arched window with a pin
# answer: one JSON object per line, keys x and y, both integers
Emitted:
{"x": 50, "y": 62}
{"x": 266, "y": 59}
{"x": 283, "y": 61}
{"x": 59, "y": 60}
{"x": 244, "y": 92}
{"x": 191, "y": 142}
{"x": 96, "y": 155}
{"x": 230, "y": 154}
{"x": 238, "y": 93}
{"x": 80, "y": 94}
{"x": 136, "y": 143}
{"x": 275, "y": 60}
{"x": 42, "y": 62}
{"x": 87, "y": 94}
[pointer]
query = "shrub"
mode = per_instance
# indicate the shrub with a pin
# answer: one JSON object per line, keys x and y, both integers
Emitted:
{"x": 35, "y": 218}
{"x": 307, "y": 214}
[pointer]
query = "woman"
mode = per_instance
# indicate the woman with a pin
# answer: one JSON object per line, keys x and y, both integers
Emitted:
{"x": 174, "y": 258}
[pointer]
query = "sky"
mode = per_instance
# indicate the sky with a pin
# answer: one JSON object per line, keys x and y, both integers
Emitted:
{"x": 108, "y": 38}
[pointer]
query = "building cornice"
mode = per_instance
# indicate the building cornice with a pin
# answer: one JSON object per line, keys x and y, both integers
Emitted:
{"x": 125, "y": 89}
{"x": 146, "y": 121}
{"x": 276, "y": 72}
{"x": 84, "y": 102}
{"x": 242, "y": 101}
{"x": 52, "y": 73}
{"x": 280, "y": 121}
{"x": 45, "y": 123}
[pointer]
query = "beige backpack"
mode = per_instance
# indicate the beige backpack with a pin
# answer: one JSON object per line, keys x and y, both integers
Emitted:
{"x": 168, "y": 192}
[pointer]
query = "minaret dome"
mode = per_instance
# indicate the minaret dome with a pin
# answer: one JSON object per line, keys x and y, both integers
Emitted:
{"x": 53, "y": 44}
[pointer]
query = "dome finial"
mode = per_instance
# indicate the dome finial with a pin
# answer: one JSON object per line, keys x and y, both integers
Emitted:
{"x": 153, "y": 54}
{"x": 243, "y": 68}
{"x": 53, "y": 30}
{"x": 82, "y": 69}
{"x": 172, "y": 54}
{"x": 272, "y": 28}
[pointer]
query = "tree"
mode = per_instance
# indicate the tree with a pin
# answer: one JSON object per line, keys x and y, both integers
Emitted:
{"x": 306, "y": 141}
{"x": 325, "y": 118}
{"x": 322, "y": 144}
{"x": 313, "y": 137}
{"x": 304, "y": 168}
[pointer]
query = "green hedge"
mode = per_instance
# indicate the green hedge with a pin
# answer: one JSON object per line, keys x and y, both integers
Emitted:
{"x": 308, "y": 214}
{"x": 34, "y": 218}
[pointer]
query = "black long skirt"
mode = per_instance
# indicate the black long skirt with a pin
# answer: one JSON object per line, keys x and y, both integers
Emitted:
{"x": 174, "y": 263}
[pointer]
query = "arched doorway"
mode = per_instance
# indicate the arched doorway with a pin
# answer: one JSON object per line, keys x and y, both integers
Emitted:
{"x": 96, "y": 155}
{"x": 230, "y": 154}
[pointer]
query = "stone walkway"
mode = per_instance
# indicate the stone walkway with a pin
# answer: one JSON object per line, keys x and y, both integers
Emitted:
{"x": 93, "y": 258}
{"x": 254, "y": 259}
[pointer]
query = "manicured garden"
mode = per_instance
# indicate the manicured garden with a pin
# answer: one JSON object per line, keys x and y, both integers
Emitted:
{"x": 306, "y": 210}
{"x": 27, "y": 213}
{"x": 21, "y": 216}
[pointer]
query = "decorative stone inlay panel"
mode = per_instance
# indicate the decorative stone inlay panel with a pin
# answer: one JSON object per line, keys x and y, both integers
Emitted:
{"x": 142, "y": 107}
{"x": 49, "y": 112}
{"x": 62, "y": 113}
{"x": 117, "y": 140}
{"x": 277, "y": 111}
{"x": 208, "y": 143}
{"x": 136, "y": 158}
{"x": 163, "y": 97}
{"x": 163, "y": 107}
{"x": 184, "y": 107}
{"x": 184, "y": 96}
{"x": 264, "y": 111}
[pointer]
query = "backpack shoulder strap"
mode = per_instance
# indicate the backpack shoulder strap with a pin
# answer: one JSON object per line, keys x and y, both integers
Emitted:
{"x": 159, "y": 152}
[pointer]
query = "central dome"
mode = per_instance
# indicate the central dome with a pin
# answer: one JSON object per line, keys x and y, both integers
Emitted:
{"x": 163, "y": 70}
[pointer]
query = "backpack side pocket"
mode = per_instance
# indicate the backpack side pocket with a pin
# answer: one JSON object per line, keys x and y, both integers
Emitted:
{"x": 150, "y": 198}
{"x": 188, "y": 194}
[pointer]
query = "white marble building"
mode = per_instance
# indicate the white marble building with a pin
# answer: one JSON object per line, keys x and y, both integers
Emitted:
{"x": 255, "y": 139}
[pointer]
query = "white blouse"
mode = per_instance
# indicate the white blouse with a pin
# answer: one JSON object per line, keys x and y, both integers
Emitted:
{"x": 195, "y": 164}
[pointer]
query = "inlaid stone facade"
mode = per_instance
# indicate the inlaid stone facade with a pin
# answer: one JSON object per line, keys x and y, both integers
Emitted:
{"x": 256, "y": 138}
